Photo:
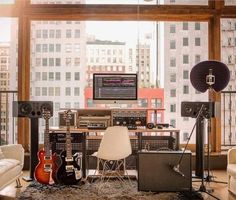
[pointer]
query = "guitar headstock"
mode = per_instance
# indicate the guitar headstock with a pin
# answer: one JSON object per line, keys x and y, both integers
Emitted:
{"x": 46, "y": 114}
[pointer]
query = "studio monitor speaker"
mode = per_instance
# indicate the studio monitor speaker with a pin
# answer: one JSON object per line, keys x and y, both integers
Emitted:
{"x": 156, "y": 171}
{"x": 31, "y": 109}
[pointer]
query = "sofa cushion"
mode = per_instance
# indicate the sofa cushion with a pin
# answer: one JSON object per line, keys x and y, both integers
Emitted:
{"x": 1, "y": 154}
{"x": 7, "y": 164}
{"x": 231, "y": 170}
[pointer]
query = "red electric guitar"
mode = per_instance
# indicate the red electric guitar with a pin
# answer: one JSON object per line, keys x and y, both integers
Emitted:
{"x": 45, "y": 171}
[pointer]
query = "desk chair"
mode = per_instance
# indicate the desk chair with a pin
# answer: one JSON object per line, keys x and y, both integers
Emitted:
{"x": 115, "y": 146}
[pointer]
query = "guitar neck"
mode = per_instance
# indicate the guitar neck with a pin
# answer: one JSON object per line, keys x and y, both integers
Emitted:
{"x": 68, "y": 140}
{"x": 46, "y": 138}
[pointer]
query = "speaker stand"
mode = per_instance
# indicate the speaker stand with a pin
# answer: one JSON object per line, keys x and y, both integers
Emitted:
{"x": 34, "y": 139}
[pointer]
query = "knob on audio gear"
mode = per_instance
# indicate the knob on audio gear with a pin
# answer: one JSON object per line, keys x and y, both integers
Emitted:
{"x": 150, "y": 125}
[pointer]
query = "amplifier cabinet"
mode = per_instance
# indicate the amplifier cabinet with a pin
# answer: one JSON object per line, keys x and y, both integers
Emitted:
{"x": 156, "y": 171}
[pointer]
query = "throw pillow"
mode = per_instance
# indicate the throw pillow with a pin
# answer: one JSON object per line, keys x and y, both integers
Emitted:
{"x": 1, "y": 154}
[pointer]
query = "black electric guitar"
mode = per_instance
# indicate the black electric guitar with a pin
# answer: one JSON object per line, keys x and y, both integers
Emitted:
{"x": 69, "y": 172}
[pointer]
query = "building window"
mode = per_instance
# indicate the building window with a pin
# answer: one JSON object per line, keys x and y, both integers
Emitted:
{"x": 58, "y": 47}
{"x": 185, "y": 25}
{"x": 58, "y": 33}
{"x": 68, "y": 48}
{"x": 197, "y": 42}
{"x": 185, "y": 74}
{"x": 51, "y": 33}
{"x": 68, "y": 33}
{"x": 44, "y": 91}
{"x": 185, "y": 41}
{"x": 142, "y": 102}
{"x": 51, "y": 76}
{"x": 38, "y": 33}
{"x": 172, "y": 107}
{"x": 38, "y": 48}
{"x": 77, "y": 76}
{"x": 185, "y": 136}
{"x": 68, "y": 76}
{"x": 57, "y": 91}
{"x": 68, "y": 61}
{"x": 76, "y": 105}
{"x": 51, "y": 62}
{"x": 173, "y": 122}
{"x": 44, "y": 76}
{"x": 45, "y": 34}
{"x": 173, "y": 93}
{"x": 185, "y": 59}
{"x": 51, "y": 47}
{"x": 172, "y": 78}
{"x": 77, "y": 33}
{"x": 156, "y": 103}
{"x": 37, "y": 91}
{"x": 197, "y": 59}
{"x": 38, "y": 62}
{"x": 45, "y": 48}
{"x": 172, "y": 44}
{"x": 67, "y": 105}
{"x": 186, "y": 89}
{"x": 37, "y": 76}
{"x": 197, "y": 26}
{"x": 77, "y": 61}
{"x": 51, "y": 91}
{"x": 76, "y": 91}
{"x": 173, "y": 62}
{"x": 57, "y": 76}
{"x": 68, "y": 91}
{"x": 58, "y": 62}
{"x": 172, "y": 28}
{"x": 45, "y": 62}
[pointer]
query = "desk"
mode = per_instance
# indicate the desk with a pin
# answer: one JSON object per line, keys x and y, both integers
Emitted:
{"x": 138, "y": 134}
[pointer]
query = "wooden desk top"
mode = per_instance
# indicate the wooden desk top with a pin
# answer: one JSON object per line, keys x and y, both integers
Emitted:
{"x": 139, "y": 130}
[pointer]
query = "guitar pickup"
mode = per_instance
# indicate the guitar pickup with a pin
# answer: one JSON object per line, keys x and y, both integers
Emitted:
{"x": 69, "y": 159}
{"x": 47, "y": 157}
{"x": 69, "y": 168}
{"x": 47, "y": 167}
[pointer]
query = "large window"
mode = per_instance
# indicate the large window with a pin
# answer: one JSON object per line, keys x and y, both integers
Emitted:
{"x": 8, "y": 78}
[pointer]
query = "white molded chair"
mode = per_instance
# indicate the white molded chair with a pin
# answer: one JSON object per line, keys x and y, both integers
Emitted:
{"x": 115, "y": 146}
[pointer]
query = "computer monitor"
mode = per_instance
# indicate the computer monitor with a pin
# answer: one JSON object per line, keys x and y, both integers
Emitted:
{"x": 115, "y": 88}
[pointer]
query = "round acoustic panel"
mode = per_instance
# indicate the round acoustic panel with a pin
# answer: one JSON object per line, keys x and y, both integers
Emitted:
{"x": 200, "y": 73}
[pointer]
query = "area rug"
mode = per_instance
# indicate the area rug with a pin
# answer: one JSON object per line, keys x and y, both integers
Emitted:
{"x": 93, "y": 191}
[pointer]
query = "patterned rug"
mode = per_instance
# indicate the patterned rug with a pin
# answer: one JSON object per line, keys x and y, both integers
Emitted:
{"x": 94, "y": 191}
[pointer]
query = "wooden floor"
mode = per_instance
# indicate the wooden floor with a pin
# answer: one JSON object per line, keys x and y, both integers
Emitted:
{"x": 220, "y": 190}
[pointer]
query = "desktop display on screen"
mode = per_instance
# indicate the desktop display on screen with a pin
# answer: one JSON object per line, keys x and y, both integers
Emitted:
{"x": 115, "y": 88}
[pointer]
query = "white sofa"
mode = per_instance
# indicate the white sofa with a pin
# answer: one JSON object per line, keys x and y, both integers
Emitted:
{"x": 11, "y": 164}
{"x": 231, "y": 170}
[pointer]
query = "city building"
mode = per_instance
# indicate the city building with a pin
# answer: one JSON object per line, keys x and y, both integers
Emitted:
{"x": 4, "y": 86}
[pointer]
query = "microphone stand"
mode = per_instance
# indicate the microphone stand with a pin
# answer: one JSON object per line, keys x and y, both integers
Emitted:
{"x": 210, "y": 80}
{"x": 176, "y": 167}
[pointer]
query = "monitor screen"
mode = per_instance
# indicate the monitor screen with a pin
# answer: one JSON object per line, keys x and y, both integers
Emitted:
{"x": 115, "y": 87}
